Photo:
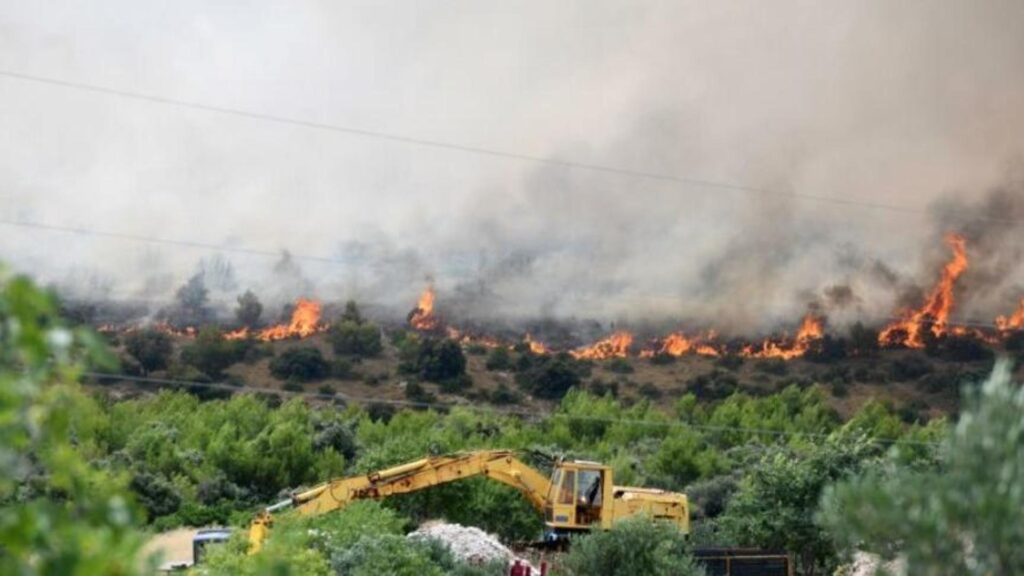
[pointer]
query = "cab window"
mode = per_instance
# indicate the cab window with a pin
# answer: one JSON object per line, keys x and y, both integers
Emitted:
{"x": 590, "y": 491}
{"x": 568, "y": 487}
{"x": 556, "y": 483}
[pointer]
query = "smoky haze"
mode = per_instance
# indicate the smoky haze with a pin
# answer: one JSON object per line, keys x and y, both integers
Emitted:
{"x": 914, "y": 104}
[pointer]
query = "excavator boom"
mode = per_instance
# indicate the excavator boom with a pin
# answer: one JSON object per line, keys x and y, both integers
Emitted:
{"x": 579, "y": 496}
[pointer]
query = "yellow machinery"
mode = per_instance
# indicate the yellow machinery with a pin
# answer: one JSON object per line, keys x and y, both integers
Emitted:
{"x": 579, "y": 495}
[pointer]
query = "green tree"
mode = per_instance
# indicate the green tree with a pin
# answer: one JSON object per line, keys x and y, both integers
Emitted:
{"x": 210, "y": 352}
{"x": 249, "y": 309}
{"x": 961, "y": 518}
{"x": 192, "y": 297}
{"x": 356, "y": 339}
{"x": 304, "y": 363}
{"x": 776, "y": 503}
{"x": 499, "y": 359}
{"x": 440, "y": 360}
{"x": 352, "y": 313}
{"x": 73, "y": 519}
{"x": 634, "y": 547}
{"x": 151, "y": 348}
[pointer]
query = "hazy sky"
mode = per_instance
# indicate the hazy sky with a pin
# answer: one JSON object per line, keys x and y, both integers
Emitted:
{"x": 895, "y": 103}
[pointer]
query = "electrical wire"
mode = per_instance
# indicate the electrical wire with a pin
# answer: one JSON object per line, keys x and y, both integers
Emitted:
{"x": 469, "y": 149}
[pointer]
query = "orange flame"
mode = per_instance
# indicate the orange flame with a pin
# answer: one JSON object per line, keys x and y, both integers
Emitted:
{"x": 305, "y": 322}
{"x": 1014, "y": 321}
{"x": 909, "y": 330}
{"x": 811, "y": 329}
{"x": 535, "y": 346}
{"x": 679, "y": 344}
{"x": 422, "y": 318}
{"x": 615, "y": 346}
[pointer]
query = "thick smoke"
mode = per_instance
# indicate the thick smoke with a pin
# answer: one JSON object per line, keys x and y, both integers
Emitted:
{"x": 907, "y": 104}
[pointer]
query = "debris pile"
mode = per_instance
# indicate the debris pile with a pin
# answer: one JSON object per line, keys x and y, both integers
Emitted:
{"x": 468, "y": 544}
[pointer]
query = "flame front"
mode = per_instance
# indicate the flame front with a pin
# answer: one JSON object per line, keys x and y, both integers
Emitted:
{"x": 422, "y": 318}
{"x": 615, "y": 346}
{"x": 305, "y": 322}
{"x": 535, "y": 346}
{"x": 811, "y": 329}
{"x": 678, "y": 344}
{"x": 909, "y": 330}
{"x": 1014, "y": 321}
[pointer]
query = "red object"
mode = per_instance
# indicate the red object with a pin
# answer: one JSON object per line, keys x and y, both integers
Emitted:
{"x": 543, "y": 569}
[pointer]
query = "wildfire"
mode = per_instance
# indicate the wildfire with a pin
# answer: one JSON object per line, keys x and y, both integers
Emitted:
{"x": 811, "y": 329}
{"x": 1014, "y": 321}
{"x": 305, "y": 322}
{"x": 934, "y": 314}
{"x": 422, "y": 317}
{"x": 615, "y": 346}
{"x": 535, "y": 346}
{"x": 679, "y": 344}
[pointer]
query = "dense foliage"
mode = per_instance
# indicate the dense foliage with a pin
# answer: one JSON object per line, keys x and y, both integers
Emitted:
{"x": 632, "y": 548}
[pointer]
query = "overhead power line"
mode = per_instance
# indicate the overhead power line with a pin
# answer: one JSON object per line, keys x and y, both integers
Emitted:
{"x": 523, "y": 413}
{"x": 465, "y": 148}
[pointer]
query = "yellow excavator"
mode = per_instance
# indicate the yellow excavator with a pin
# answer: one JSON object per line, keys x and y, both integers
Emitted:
{"x": 578, "y": 496}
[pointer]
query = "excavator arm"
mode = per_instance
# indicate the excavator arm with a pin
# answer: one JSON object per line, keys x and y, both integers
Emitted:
{"x": 499, "y": 465}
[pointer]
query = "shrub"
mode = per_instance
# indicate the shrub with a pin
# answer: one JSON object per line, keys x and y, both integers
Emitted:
{"x": 327, "y": 390}
{"x": 662, "y": 359}
{"x": 601, "y": 388}
{"x": 150, "y": 348}
{"x": 729, "y": 361}
{"x": 550, "y": 376}
{"x": 714, "y": 385}
{"x": 440, "y": 360}
{"x": 634, "y": 547}
{"x": 351, "y": 338}
{"x": 959, "y": 349}
{"x": 619, "y": 366}
{"x": 457, "y": 384}
{"x": 342, "y": 370}
{"x": 158, "y": 496}
{"x": 499, "y": 360}
{"x": 505, "y": 395}
{"x": 826, "y": 349}
{"x": 303, "y": 363}
{"x": 249, "y": 309}
{"x": 910, "y": 367}
{"x": 210, "y": 353}
{"x": 415, "y": 392}
{"x": 649, "y": 391}
{"x": 773, "y": 366}
{"x": 293, "y": 386}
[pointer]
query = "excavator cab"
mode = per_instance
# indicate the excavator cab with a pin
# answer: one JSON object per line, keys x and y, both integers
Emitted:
{"x": 580, "y": 497}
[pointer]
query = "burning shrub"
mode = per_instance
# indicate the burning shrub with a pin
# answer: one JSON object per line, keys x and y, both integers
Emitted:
{"x": 356, "y": 339}
{"x": 303, "y": 363}
{"x": 151, "y": 348}
{"x": 826, "y": 349}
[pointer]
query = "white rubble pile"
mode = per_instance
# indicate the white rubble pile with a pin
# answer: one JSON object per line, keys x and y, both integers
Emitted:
{"x": 468, "y": 544}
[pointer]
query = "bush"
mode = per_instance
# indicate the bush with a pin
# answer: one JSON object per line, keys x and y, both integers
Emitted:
{"x": 499, "y": 360}
{"x": 550, "y": 376}
{"x": 619, "y": 366}
{"x": 249, "y": 309}
{"x": 714, "y": 385}
{"x": 826, "y": 349}
{"x": 729, "y": 361}
{"x": 662, "y": 359}
{"x": 440, "y": 360}
{"x": 351, "y": 338}
{"x": 158, "y": 496}
{"x": 151, "y": 348}
{"x": 327, "y": 390}
{"x": 959, "y": 349}
{"x": 773, "y": 366}
{"x": 910, "y": 367}
{"x": 302, "y": 363}
{"x": 457, "y": 385}
{"x": 634, "y": 547}
{"x": 342, "y": 370}
{"x": 649, "y": 391}
{"x": 210, "y": 353}
{"x": 505, "y": 395}
{"x": 415, "y": 392}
